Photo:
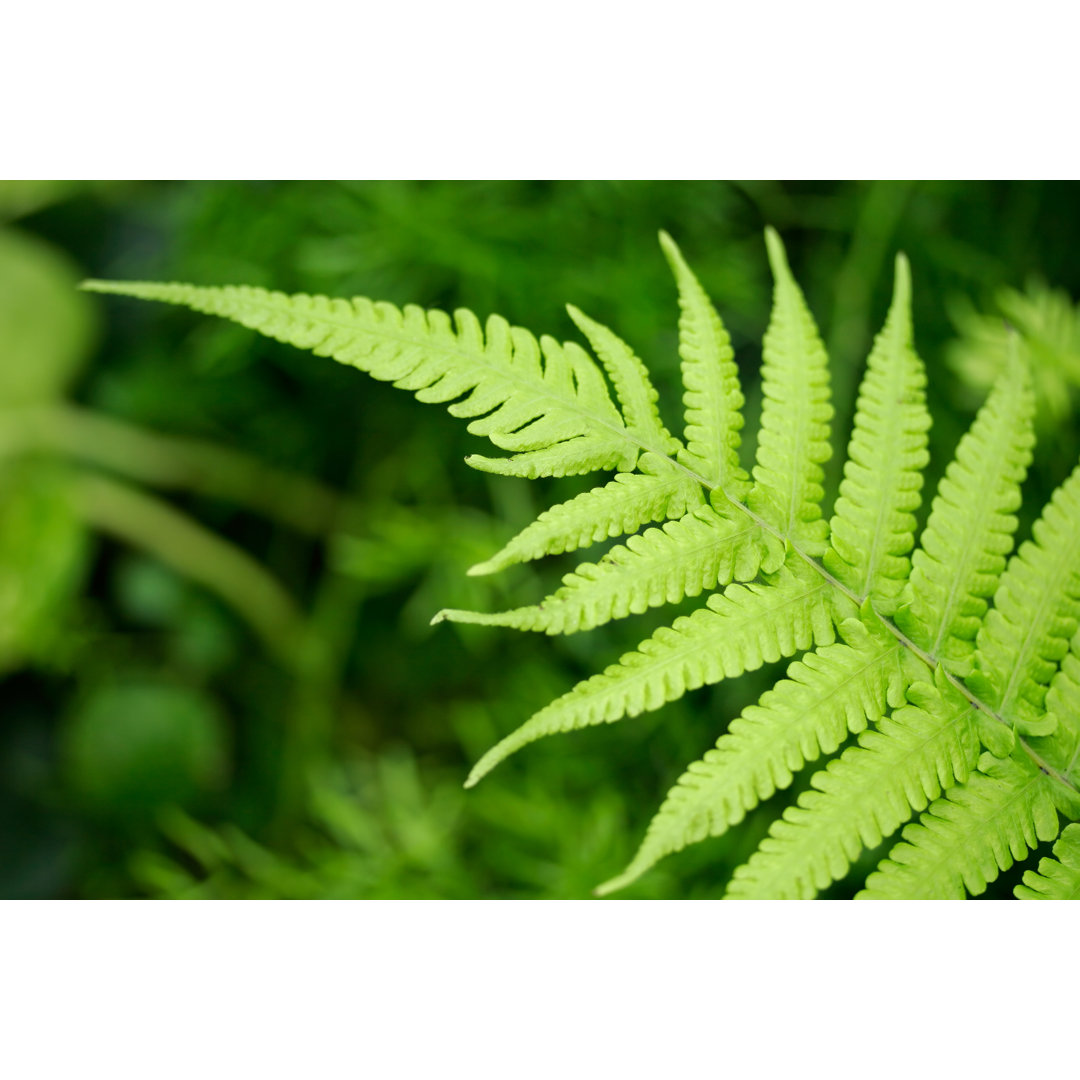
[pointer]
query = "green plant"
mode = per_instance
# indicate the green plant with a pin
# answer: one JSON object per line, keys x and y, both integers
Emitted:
{"x": 939, "y": 679}
{"x": 1048, "y": 325}
{"x": 1057, "y": 878}
{"x": 65, "y": 469}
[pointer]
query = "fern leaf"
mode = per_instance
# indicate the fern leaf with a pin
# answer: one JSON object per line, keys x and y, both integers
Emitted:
{"x": 873, "y": 527}
{"x": 634, "y": 389}
{"x": 713, "y": 398}
{"x": 829, "y": 693}
{"x": 686, "y": 557}
{"x": 1059, "y": 752}
{"x": 966, "y": 838}
{"x": 1063, "y": 697}
{"x": 794, "y": 437}
{"x": 1057, "y": 878}
{"x": 864, "y": 796}
{"x": 544, "y": 402}
{"x": 658, "y": 491}
{"x": 547, "y": 405}
{"x": 963, "y": 548}
{"x": 1035, "y": 614}
{"x": 738, "y": 630}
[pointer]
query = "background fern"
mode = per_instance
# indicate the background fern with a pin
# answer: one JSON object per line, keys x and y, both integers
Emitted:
{"x": 520, "y": 250}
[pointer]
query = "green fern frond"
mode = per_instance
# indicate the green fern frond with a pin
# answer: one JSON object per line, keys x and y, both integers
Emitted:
{"x": 961, "y": 555}
{"x": 831, "y": 692}
{"x": 544, "y": 402}
{"x": 713, "y": 398}
{"x": 794, "y": 438}
{"x": 1001, "y": 645}
{"x": 1057, "y": 878}
{"x": 966, "y": 838}
{"x": 1035, "y": 614}
{"x": 1058, "y": 754}
{"x": 873, "y": 527}
{"x": 1063, "y": 697}
{"x": 694, "y": 554}
{"x": 864, "y": 796}
{"x": 738, "y": 630}
{"x": 633, "y": 388}
{"x": 658, "y": 491}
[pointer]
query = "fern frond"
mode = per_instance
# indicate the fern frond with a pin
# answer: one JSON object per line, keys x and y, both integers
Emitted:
{"x": 1057, "y": 878}
{"x": 633, "y": 388}
{"x": 794, "y": 438}
{"x": 966, "y": 838}
{"x": 873, "y": 527}
{"x": 659, "y": 490}
{"x": 864, "y": 796}
{"x": 713, "y": 398}
{"x": 1059, "y": 752}
{"x": 831, "y": 692}
{"x": 1007, "y": 675}
{"x": 1035, "y": 614}
{"x": 1063, "y": 697}
{"x": 687, "y": 557}
{"x": 962, "y": 551}
{"x": 544, "y": 402}
{"x": 738, "y": 630}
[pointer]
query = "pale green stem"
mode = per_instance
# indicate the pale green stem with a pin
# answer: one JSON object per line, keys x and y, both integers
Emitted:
{"x": 167, "y": 461}
{"x": 152, "y": 525}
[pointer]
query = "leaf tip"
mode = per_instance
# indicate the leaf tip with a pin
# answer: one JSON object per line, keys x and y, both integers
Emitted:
{"x": 672, "y": 253}
{"x": 776, "y": 252}
{"x": 456, "y": 615}
{"x": 581, "y": 320}
{"x": 902, "y": 280}
{"x": 614, "y": 884}
{"x": 479, "y": 462}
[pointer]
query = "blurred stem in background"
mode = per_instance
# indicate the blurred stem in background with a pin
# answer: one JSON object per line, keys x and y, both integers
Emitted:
{"x": 145, "y": 522}
{"x": 868, "y": 260}
{"x": 176, "y": 463}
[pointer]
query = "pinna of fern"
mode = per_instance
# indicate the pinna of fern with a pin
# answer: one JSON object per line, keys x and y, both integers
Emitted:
{"x": 940, "y": 679}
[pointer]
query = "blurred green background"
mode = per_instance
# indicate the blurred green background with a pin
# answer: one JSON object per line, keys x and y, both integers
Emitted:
{"x": 219, "y": 555}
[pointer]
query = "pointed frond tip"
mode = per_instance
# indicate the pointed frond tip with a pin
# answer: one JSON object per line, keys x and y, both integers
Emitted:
{"x": 712, "y": 397}
{"x": 700, "y": 551}
{"x": 873, "y": 527}
{"x": 546, "y": 403}
{"x": 793, "y": 441}
{"x": 657, "y": 490}
{"x": 736, "y": 631}
{"x": 634, "y": 389}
